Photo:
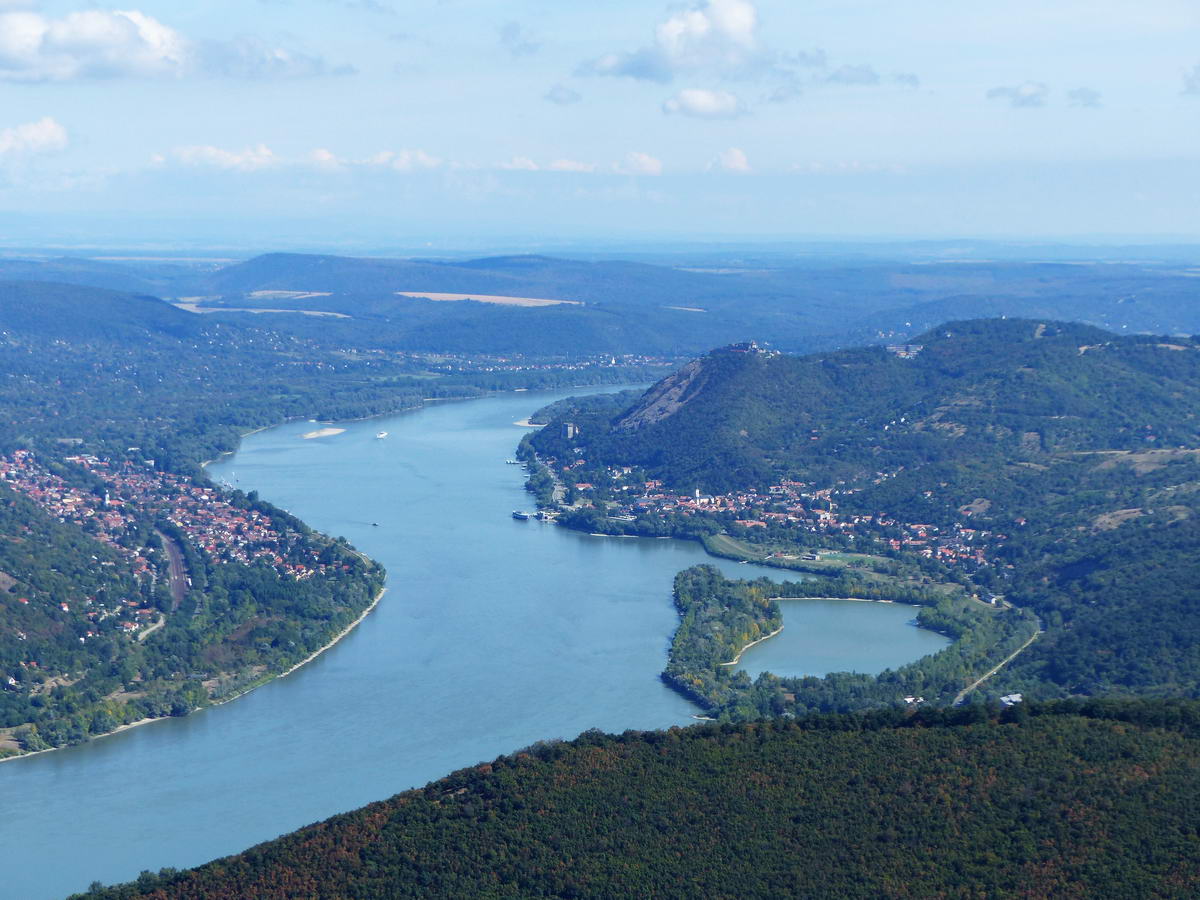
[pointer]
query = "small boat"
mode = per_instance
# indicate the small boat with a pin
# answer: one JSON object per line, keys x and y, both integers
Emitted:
{"x": 512, "y": 462}
{"x": 381, "y": 434}
{"x": 521, "y": 516}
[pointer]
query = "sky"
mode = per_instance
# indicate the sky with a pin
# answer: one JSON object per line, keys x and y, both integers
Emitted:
{"x": 341, "y": 123}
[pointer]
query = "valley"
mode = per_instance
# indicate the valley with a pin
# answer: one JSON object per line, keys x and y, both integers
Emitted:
{"x": 1017, "y": 489}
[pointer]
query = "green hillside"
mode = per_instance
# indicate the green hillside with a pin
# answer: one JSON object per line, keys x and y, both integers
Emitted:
{"x": 73, "y": 313}
{"x": 115, "y": 370}
{"x": 994, "y": 391}
{"x": 1045, "y": 801}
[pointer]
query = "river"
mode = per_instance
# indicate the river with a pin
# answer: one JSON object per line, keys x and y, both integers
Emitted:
{"x": 494, "y": 634}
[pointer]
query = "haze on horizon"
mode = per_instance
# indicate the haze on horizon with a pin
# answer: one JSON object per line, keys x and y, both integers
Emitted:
{"x": 333, "y": 123}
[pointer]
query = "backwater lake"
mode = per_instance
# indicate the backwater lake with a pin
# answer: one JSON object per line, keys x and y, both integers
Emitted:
{"x": 494, "y": 634}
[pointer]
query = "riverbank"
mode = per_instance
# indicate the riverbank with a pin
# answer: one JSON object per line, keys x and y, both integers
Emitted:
{"x": 205, "y": 463}
{"x": 737, "y": 659}
{"x": 265, "y": 680}
{"x": 345, "y": 631}
{"x": 95, "y": 737}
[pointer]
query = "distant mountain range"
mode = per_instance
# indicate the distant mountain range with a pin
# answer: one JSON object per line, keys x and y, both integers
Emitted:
{"x": 638, "y": 308}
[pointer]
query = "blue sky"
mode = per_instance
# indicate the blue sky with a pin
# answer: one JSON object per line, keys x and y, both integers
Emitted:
{"x": 328, "y": 121}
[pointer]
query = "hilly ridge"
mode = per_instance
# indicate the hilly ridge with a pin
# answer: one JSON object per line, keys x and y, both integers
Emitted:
{"x": 631, "y": 307}
{"x": 61, "y": 311}
{"x": 1057, "y": 463}
{"x": 1010, "y": 389}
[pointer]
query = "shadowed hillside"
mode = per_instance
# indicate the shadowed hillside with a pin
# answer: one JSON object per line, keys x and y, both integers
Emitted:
{"x": 1045, "y": 802}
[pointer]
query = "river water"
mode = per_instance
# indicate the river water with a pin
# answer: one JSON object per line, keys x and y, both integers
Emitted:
{"x": 494, "y": 634}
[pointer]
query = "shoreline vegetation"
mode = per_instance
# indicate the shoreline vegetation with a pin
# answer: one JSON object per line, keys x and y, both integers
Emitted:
{"x": 722, "y": 618}
{"x": 267, "y": 679}
{"x": 766, "y": 637}
{"x": 337, "y": 639}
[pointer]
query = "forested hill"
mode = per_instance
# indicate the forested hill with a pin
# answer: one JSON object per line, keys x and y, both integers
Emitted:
{"x": 66, "y": 312}
{"x": 986, "y": 391}
{"x": 108, "y": 370}
{"x": 1067, "y": 800}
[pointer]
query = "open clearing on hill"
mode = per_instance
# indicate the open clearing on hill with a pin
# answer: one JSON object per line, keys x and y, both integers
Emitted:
{"x": 288, "y": 295}
{"x": 200, "y": 310}
{"x": 487, "y": 298}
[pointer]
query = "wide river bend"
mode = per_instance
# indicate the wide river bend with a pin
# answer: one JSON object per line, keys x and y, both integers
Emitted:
{"x": 493, "y": 634}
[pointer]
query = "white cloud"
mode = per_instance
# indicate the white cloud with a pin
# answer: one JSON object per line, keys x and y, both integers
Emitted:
{"x": 251, "y": 58}
{"x": 1085, "y": 97}
{"x": 520, "y": 164}
{"x": 562, "y": 95}
{"x": 33, "y": 138}
{"x": 638, "y": 163}
{"x": 704, "y": 104}
{"x": 261, "y": 157}
{"x": 721, "y": 39}
{"x": 405, "y": 160}
{"x": 1021, "y": 96}
{"x": 89, "y": 44}
{"x": 325, "y": 159}
{"x": 731, "y": 160}
{"x": 94, "y": 44}
{"x": 252, "y": 159}
{"x": 570, "y": 165}
{"x": 720, "y": 30}
{"x": 854, "y": 75}
{"x": 525, "y": 164}
{"x": 718, "y": 35}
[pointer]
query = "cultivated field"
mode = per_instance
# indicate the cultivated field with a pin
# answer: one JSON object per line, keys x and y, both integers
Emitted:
{"x": 487, "y": 298}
